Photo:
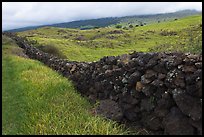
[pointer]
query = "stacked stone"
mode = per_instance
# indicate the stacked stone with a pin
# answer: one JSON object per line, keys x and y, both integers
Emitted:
{"x": 161, "y": 92}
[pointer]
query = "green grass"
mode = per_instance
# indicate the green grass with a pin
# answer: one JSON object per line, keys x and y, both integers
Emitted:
{"x": 37, "y": 100}
{"x": 96, "y": 43}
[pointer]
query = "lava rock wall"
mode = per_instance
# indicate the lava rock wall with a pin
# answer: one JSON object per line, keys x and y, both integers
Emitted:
{"x": 161, "y": 92}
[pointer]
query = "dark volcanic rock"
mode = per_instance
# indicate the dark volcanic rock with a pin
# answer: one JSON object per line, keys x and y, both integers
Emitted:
{"x": 152, "y": 62}
{"x": 130, "y": 114}
{"x": 128, "y": 99}
{"x": 147, "y": 104}
{"x": 152, "y": 122}
{"x": 148, "y": 90}
{"x": 197, "y": 125}
{"x": 150, "y": 74}
{"x": 198, "y": 65}
{"x": 160, "y": 67}
{"x": 164, "y": 105}
{"x": 195, "y": 90}
{"x": 190, "y": 106}
{"x": 109, "y": 109}
{"x": 175, "y": 78}
{"x": 172, "y": 61}
{"x": 134, "y": 77}
{"x": 145, "y": 80}
{"x": 161, "y": 76}
{"x": 176, "y": 123}
{"x": 189, "y": 69}
{"x": 157, "y": 83}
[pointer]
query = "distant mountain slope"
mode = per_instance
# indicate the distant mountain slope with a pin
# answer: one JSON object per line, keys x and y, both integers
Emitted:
{"x": 103, "y": 22}
{"x": 148, "y": 19}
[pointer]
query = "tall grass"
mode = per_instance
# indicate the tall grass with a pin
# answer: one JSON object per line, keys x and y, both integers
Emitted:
{"x": 36, "y": 100}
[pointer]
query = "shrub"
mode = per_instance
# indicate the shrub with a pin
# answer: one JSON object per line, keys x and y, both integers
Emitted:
{"x": 51, "y": 50}
{"x": 125, "y": 28}
{"x": 130, "y": 26}
{"x": 118, "y": 26}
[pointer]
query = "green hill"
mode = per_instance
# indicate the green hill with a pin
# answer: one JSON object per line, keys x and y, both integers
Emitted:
{"x": 112, "y": 21}
{"x": 184, "y": 35}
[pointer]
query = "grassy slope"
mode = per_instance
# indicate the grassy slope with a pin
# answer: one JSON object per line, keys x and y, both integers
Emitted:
{"x": 37, "y": 100}
{"x": 97, "y": 43}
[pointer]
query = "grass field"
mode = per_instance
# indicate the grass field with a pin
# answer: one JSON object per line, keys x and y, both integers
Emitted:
{"x": 90, "y": 45}
{"x": 37, "y": 100}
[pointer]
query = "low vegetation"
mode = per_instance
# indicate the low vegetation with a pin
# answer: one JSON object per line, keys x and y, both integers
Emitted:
{"x": 37, "y": 100}
{"x": 51, "y": 50}
{"x": 183, "y": 35}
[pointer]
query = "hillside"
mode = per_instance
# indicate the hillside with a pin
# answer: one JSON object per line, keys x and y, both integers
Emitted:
{"x": 37, "y": 100}
{"x": 184, "y": 35}
{"x": 151, "y": 86}
{"x": 153, "y": 92}
{"x": 102, "y": 68}
{"x": 111, "y": 21}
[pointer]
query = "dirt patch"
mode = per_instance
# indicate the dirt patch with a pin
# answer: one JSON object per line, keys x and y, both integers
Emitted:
{"x": 116, "y": 32}
{"x": 81, "y": 38}
{"x": 19, "y": 52}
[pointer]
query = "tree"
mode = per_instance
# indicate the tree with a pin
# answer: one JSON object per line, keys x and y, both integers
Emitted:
{"x": 96, "y": 27}
{"x": 118, "y": 26}
{"x": 125, "y": 28}
{"x": 130, "y": 26}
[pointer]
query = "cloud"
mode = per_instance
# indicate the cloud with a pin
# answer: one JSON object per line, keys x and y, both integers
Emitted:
{"x": 22, "y": 14}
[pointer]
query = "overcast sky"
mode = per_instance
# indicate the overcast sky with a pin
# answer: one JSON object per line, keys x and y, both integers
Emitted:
{"x": 22, "y": 14}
